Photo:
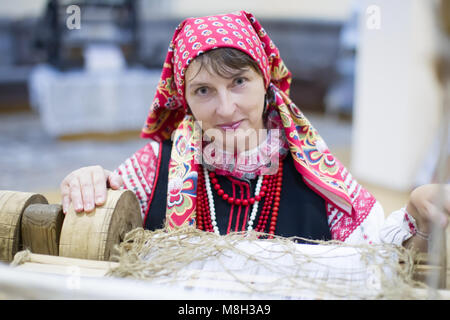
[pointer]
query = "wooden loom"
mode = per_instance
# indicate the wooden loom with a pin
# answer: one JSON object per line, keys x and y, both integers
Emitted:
{"x": 85, "y": 241}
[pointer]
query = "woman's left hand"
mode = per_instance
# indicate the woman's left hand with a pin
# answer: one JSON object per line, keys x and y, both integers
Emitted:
{"x": 424, "y": 205}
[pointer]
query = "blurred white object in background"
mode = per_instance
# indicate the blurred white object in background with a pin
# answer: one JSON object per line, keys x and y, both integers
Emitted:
{"x": 428, "y": 172}
{"x": 103, "y": 57}
{"x": 398, "y": 100}
{"x": 111, "y": 99}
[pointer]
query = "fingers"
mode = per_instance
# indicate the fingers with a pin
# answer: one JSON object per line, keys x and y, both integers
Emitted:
{"x": 439, "y": 205}
{"x": 436, "y": 215}
{"x": 87, "y": 191}
{"x": 75, "y": 194}
{"x": 85, "y": 188}
{"x": 115, "y": 180}
{"x": 65, "y": 195}
{"x": 99, "y": 183}
{"x": 431, "y": 202}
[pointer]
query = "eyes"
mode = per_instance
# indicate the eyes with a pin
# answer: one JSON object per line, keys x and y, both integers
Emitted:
{"x": 202, "y": 91}
{"x": 205, "y": 90}
{"x": 239, "y": 81}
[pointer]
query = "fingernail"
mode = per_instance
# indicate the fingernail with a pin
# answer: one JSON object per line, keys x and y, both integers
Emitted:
{"x": 78, "y": 206}
{"x": 100, "y": 199}
{"x": 65, "y": 205}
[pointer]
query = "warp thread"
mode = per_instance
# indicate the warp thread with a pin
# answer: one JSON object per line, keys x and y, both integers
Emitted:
{"x": 176, "y": 257}
{"x": 21, "y": 257}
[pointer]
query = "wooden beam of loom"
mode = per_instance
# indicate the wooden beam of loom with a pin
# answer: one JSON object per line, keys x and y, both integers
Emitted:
{"x": 50, "y": 277}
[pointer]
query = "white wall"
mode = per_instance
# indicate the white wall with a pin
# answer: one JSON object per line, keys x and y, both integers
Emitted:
{"x": 397, "y": 99}
{"x": 325, "y": 9}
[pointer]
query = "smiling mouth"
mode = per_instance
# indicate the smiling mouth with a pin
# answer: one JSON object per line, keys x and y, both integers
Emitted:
{"x": 230, "y": 126}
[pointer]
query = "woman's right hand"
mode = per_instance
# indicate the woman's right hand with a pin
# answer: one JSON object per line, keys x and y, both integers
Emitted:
{"x": 86, "y": 188}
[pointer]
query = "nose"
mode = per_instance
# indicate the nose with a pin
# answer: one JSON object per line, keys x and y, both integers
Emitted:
{"x": 226, "y": 105}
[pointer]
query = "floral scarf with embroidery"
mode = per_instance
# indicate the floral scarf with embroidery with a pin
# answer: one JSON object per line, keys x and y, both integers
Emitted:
{"x": 168, "y": 117}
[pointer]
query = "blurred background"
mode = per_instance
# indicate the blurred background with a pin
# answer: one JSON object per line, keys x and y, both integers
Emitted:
{"x": 77, "y": 79}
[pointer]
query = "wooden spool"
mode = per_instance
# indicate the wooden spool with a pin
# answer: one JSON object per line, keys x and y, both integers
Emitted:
{"x": 93, "y": 235}
{"x": 12, "y": 206}
{"x": 41, "y": 228}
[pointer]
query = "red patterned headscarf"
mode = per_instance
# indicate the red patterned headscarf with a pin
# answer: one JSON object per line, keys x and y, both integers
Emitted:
{"x": 195, "y": 36}
{"x": 168, "y": 116}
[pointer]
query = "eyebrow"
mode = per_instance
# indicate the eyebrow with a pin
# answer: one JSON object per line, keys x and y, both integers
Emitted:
{"x": 199, "y": 84}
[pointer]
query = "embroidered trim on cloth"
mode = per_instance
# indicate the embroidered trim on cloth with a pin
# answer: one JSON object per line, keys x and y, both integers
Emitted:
{"x": 399, "y": 227}
{"x": 249, "y": 164}
{"x": 139, "y": 173}
{"x": 342, "y": 225}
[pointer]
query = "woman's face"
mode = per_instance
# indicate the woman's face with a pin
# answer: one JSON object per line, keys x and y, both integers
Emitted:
{"x": 230, "y": 109}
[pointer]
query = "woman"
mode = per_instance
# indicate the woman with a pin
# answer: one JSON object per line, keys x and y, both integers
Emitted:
{"x": 242, "y": 156}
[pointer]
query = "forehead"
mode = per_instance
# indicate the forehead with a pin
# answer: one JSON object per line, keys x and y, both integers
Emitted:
{"x": 202, "y": 72}
{"x": 198, "y": 73}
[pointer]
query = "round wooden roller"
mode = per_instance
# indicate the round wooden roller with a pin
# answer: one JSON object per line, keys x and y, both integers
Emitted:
{"x": 93, "y": 235}
{"x": 12, "y": 206}
{"x": 41, "y": 228}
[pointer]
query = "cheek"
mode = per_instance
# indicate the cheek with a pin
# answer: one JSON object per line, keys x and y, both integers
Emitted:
{"x": 202, "y": 113}
{"x": 254, "y": 105}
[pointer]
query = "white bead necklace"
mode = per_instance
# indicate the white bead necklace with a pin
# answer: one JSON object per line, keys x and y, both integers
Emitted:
{"x": 213, "y": 210}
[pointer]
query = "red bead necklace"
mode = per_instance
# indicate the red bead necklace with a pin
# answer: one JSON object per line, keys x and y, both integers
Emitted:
{"x": 270, "y": 191}
{"x": 238, "y": 202}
